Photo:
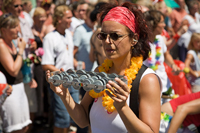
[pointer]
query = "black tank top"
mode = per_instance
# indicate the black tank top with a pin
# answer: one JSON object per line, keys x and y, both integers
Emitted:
{"x": 38, "y": 41}
{"x": 10, "y": 79}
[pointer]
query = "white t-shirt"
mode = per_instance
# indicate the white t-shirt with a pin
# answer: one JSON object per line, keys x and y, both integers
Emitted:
{"x": 161, "y": 68}
{"x": 194, "y": 24}
{"x": 58, "y": 50}
{"x": 102, "y": 122}
{"x": 28, "y": 18}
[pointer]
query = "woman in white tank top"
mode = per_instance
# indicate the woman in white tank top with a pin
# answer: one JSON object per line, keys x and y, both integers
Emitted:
{"x": 125, "y": 38}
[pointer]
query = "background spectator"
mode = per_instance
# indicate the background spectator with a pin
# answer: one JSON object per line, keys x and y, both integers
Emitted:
{"x": 193, "y": 62}
{"x": 185, "y": 110}
{"x": 38, "y": 29}
{"x": 27, "y": 6}
{"x": 14, "y": 111}
{"x": 15, "y": 8}
{"x": 96, "y": 52}
{"x": 58, "y": 53}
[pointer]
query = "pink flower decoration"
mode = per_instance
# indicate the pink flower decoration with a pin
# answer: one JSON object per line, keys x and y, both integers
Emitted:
{"x": 39, "y": 52}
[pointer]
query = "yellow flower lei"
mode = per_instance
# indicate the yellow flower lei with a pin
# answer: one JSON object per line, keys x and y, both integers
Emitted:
{"x": 107, "y": 102}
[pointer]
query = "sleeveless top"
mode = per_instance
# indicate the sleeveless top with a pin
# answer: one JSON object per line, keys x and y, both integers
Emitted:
{"x": 10, "y": 79}
{"x": 103, "y": 122}
{"x": 38, "y": 41}
{"x": 196, "y": 67}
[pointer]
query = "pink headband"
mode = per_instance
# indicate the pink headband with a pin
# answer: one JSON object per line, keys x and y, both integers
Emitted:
{"x": 123, "y": 16}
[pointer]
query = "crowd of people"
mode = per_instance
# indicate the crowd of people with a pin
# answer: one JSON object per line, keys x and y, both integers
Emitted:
{"x": 137, "y": 39}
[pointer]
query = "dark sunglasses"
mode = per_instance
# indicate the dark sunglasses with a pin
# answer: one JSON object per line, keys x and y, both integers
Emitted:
{"x": 18, "y": 6}
{"x": 113, "y": 36}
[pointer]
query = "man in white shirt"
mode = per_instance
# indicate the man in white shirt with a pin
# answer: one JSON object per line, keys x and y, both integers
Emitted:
{"x": 58, "y": 53}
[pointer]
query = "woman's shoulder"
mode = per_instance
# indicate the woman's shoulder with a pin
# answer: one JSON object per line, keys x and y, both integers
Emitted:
{"x": 160, "y": 38}
{"x": 191, "y": 52}
{"x": 147, "y": 71}
{"x": 2, "y": 43}
{"x": 150, "y": 78}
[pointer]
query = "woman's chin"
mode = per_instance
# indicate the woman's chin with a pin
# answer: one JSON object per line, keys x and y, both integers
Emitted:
{"x": 15, "y": 37}
{"x": 111, "y": 56}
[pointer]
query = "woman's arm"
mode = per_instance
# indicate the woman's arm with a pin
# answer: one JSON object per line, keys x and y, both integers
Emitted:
{"x": 189, "y": 59}
{"x": 11, "y": 66}
{"x": 170, "y": 61}
{"x": 149, "y": 105}
{"x": 78, "y": 112}
{"x": 189, "y": 108}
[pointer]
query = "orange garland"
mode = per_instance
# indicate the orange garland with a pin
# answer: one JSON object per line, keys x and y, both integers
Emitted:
{"x": 107, "y": 102}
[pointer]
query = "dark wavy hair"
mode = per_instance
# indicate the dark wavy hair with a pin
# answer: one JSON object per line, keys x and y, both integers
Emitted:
{"x": 152, "y": 18}
{"x": 142, "y": 47}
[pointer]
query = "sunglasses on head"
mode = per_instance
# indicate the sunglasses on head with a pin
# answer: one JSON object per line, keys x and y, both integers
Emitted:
{"x": 18, "y": 6}
{"x": 113, "y": 36}
{"x": 6, "y": 15}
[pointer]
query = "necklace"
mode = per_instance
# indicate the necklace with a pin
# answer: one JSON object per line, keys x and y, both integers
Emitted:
{"x": 107, "y": 102}
{"x": 154, "y": 65}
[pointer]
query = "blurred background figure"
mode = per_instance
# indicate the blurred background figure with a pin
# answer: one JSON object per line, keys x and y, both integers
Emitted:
{"x": 49, "y": 7}
{"x": 144, "y": 5}
{"x": 58, "y": 53}
{"x": 15, "y": 110}
{"x": 5, "y": 91}
{"x": 97, "y": 54}
{"x": 178, "y": 14}
{"x": 38, "y": 4}
{"x": 168, "y": 32}
{"x": 192, "y": 19}
{"x": 176, "y": 17}
{"x": 193, "y": 62}
{"x": 27, "y": 6}
{"x": 185, "y": 113}
{"x": 39, "y": 17}
{"x": 15, "y": 8}
{"x": 76, "y": 21}
{"x": 46, "y": 5}
{"x": 81, "y": 39}
{"x": 159, "y": 53}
